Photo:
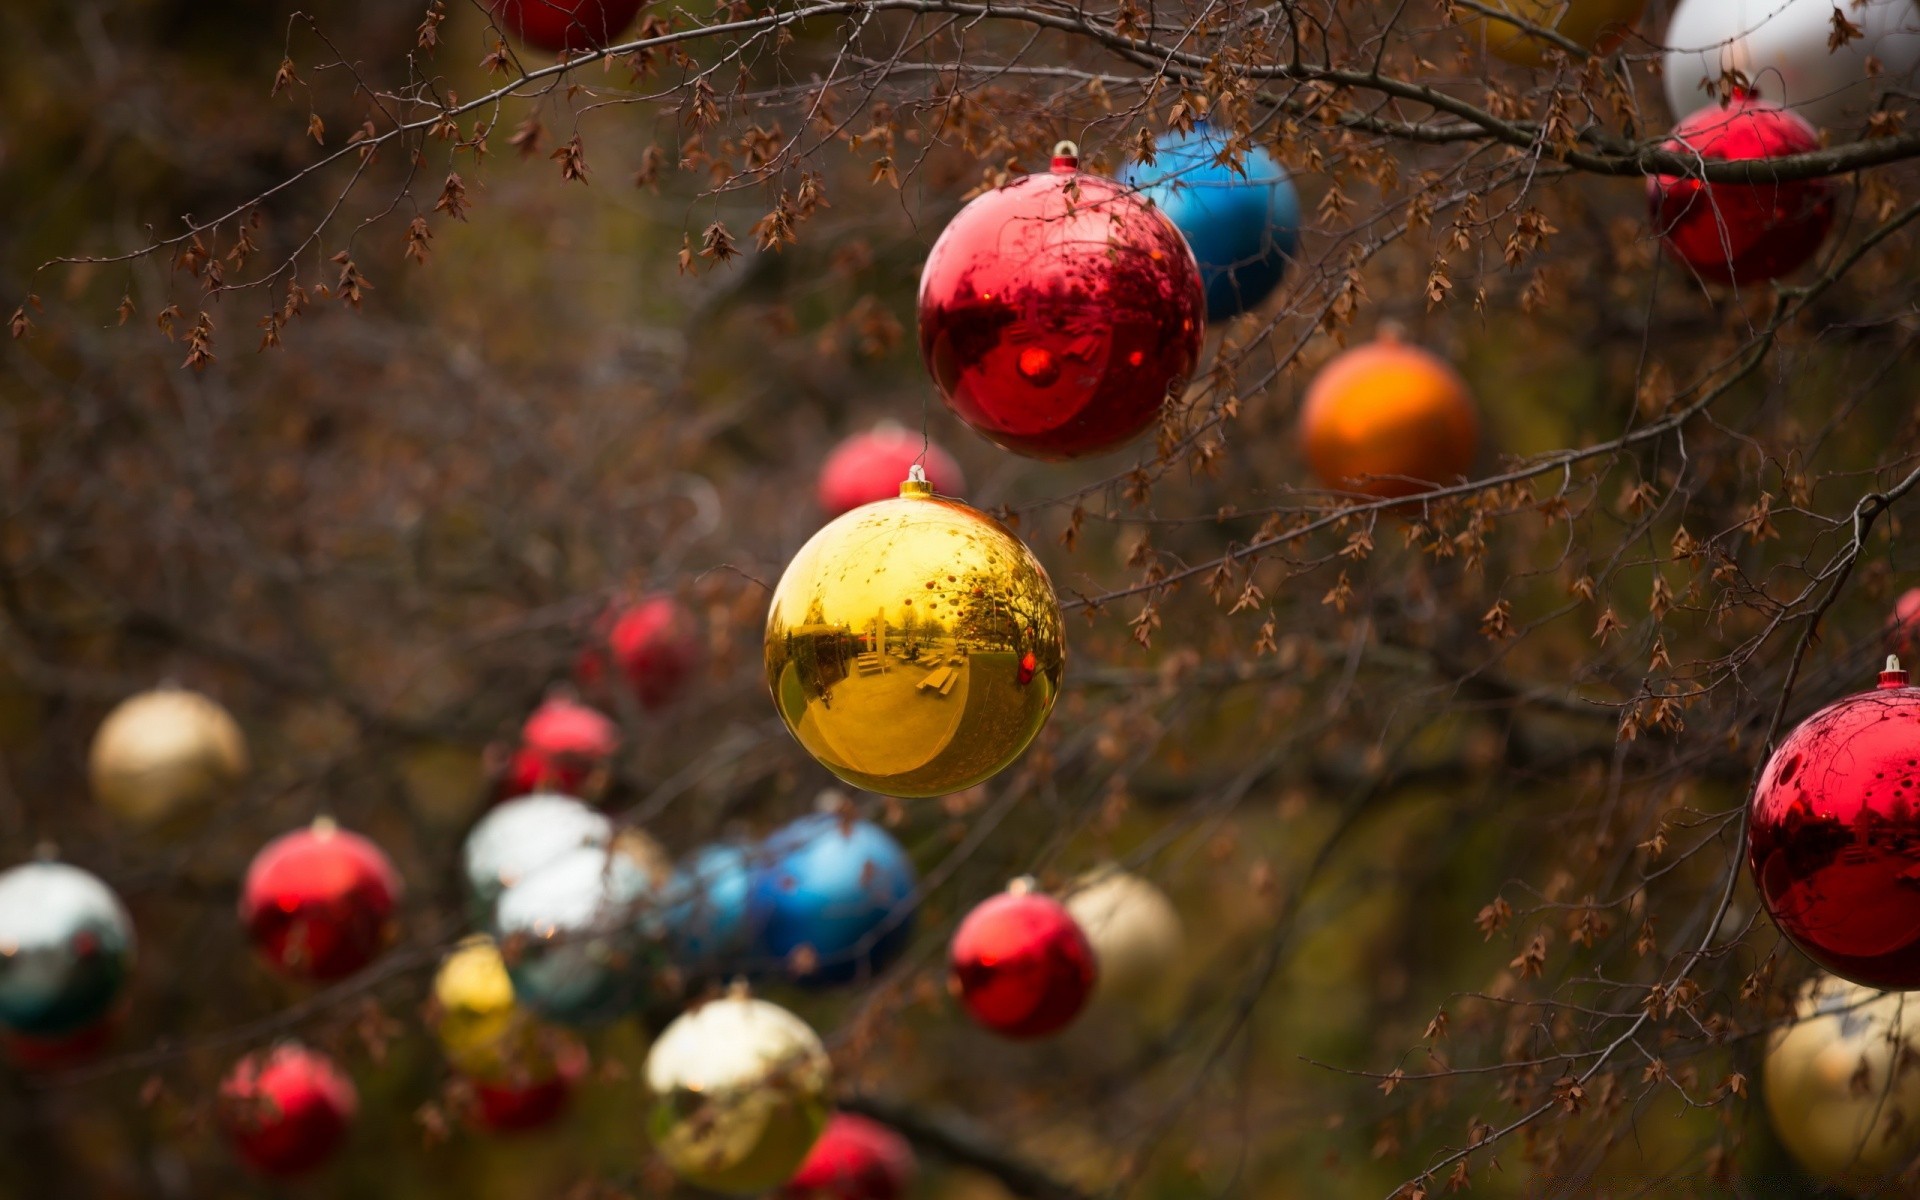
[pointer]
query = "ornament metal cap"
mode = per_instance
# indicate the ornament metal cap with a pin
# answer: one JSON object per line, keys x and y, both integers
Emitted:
{"x": 915, "y": 484}
{"x": 1066, "y": 158}
{"x": 1022, "y": 885}
{"x": 1893, "y": 675}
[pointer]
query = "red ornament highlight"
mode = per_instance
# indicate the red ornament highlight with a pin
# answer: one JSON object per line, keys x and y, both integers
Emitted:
{"x": 855, "y": 1159}
{"x": 1059, "y": 312}
{"x": 1834, "y": 842}
{"x": 287, "y": 1111}
{"x": 1741, "y": 233}
{"x": 318, "y": 903}
{"x": 565, "y": 747}
{"x": 566, "y": 25}
{"x": 655, "y": 644}
{"x": 1020, "y": 964}
{"x": 869, "y": 466}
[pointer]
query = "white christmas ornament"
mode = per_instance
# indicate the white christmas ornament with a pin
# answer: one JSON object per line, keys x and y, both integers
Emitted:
{"x": 1782, "y": 48}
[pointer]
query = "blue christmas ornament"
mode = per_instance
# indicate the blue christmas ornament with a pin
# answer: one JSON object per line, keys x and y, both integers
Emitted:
{"x": 707, "y": 918}
{"x": 1242, "y": 228}
{"x": 584, "y": 936}
{"x": 843, "y": 889}
{"x": 66, "y": 949}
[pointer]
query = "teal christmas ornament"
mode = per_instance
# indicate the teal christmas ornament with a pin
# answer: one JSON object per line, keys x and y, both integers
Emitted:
{"x": 832, "y": 901}
{"x": 66, "y": 950}
{"x": 1242, "y": 227}
{"x": 583, "y": 935}
{"x": 707, "y": 919}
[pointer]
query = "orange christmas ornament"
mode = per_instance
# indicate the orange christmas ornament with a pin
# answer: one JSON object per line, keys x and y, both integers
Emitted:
{"x": 1388, "y": 419}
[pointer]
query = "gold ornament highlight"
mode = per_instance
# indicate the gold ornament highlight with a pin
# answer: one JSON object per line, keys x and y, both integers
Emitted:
{"x": 740, "y": 1094}
{"x": 914, "y": 645}
{"x": 165, "y": 751}
{"x": 1842, "y": 1085}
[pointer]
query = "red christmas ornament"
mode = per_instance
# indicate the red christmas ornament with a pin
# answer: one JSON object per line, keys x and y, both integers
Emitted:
{"x": 1741, "y": 233}
{"x": 1020, "y": 964}
{"x": 61, "y": 1051}
{"x": 869, "y": 466}
{"x": 1834, "y": 843}
{"x": 318, "y": 903}
{"x": 524, "y": 1103}
{"x": 569, "y": 25}
{"x": 1058, "y": 313}
{"x": 563, "y": 746}
{"x": 287, "y": 1111}
{"x": 855, "y": 1159}
{"x": 656, "y": 645}
{"x": 1903, "y": 625}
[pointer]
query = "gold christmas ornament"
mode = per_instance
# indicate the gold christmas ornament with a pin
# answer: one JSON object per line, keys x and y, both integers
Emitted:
{"x": 165, "y": 751}
{"x": 740, "y": 1094}
{"x": 1842, "y": 1085}
{"x": 1596, "y": 24}
{"x": 1135, "y": 932}
{"x": 481, "y": 1030}
{"x": 914, "y": 645}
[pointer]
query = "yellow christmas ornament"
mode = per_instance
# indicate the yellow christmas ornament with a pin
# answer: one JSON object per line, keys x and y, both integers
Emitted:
{"x": 1842, "y": 1085}
{"x": 914, "y": 645}
{"x": 482, "y": 1031}
{"x": 1595, "y": 24}
{"x": 163, "y": 752}
{"x": 740, "y": 1094}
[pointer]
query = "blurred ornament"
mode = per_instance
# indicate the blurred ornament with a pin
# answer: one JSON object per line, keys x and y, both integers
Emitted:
{"x": 520, "y": 1105}
{"x": 1059, "y": 312}
{"x": 1388, "y": 419}
{"x": 521, "y": 836}
{"x": 855, "y": 1159}
{"x": 1020, "y": 965}
{"x": 1903, "y": 625}
{"x": 58, "y": 1052}
{"x": 707, "y": 918}
{"x": 287, "y": 1111}
{"x": 165, "y": 752}
{"x": 1842, "y": 1088}
{"x": 869, "y": 466}
{"x": 569, "y": 25}
{"x": 654, "y": 643}
{"x": 482, "y": 1031}
{"x": 1599, "y": 25}
{"x": 1741, "y": 233}
{"x": 1134, "y": 930}
{"x": 833, "y": 901}
{"x": 895, "y": 640}
{"x": 1835, "y": 835}
{"x": 66, "y": 953}
{"x": 318, "y": 903}
{"x": 740, "y": 1092}
{"x": 565, "y": 746}
{"x": 1242, "y": 223}
{"x": 1782, "y": 50}
{"x": 582, "y": 935}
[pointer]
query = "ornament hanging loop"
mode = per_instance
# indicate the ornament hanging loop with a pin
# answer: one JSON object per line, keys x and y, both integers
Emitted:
{"x": 1893, "y": 675}
{"x": 1066, "y": 156}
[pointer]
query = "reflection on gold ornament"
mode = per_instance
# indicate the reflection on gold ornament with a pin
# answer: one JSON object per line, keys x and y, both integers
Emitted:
{"x": 482, "y": 1031}
{"x": 1843, "y": 1084}
{"x": 1596, "y": 24}
{"x": 914, "y": 646}
{"x": 165, "y": 751}
{"x": 740, "y": 1094}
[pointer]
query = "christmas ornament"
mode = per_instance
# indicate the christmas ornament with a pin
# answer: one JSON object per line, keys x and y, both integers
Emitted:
{"x": 59, "y": 1051}
{"x": 1599, "y": 25}
{"x": 740, "y": 1094}
{"x": 1783, "y": 50}
{"x": 1834, "y": 841}
{"x": 1388, "y": 419}
{"x": 869, "y": 466}
{"x": 521, "y": 836}
{"x": 1134, "y": 930}
{"x": 1058, "y": 313}
{"x": 1842, "y": 1088}
{"x": 1020, "y": 965}
{"x": 582, "y": 935}
{"x": 1242, "y": 220}
{"x": 564, "y": 747}
{"x": 519, "y": 1104}
{"x": 855, "y": 1159}
{"x": 482, "y": 1031}
{"x": 656, "y": 646}
{"x": 833, "y": 902}
{"x": 287, "y": 1111}
{"x": 66, "y": 954}
{"x": 708, "y": 917}
{"x": 895, "y": 646}
{"x": 1741, "y": 233}
{"x": 318, "y": 903}
{"x": 165, "y": 752}
{"x": 1903, "y": 625}
{"x": 566, "y": 25}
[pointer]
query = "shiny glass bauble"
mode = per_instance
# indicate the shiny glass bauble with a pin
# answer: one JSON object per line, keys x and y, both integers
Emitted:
{"x": 855, "y": 1159}
{"x": 1059, "y": 312}
{"x": 1242, "y": 223}
{"x": 1136, "y": 934}
{"x": 741, "y": 1093}
{"x": 1903, "y": 626}
{"x": 565, "y": 746}
{"x": 481, "y": 1028}
{"x": 869, "y": 466}
{"x": 1388, "y": 419}
{"x": 66, "y": 952}
{"x": 655, "y": 647}
{"x": 288, "y": 1110}
{"x": 707, "y": 918}
{"x": 1020, "y": 965}
{"x": 1782, "y": 50}
{"x": 914, "y": 646}
{"x": 522, "y": 835}
{"x": 163, "y": 753}
{"x": 1598, "y": 25}
{"x": 1834, "y": 836}
{"x": 583, "y": 935}
{"x": 565, "y": 25}
{"x": 319, "y": 903}
{"x": 832, "y": 902}
{"x": 1741, "y": 233}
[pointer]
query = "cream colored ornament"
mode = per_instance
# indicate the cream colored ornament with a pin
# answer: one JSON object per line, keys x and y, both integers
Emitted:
{"x": 163, "y": 752}
{"x": 1842, "y": 1085}
{"x": 1783, "y": 50}
{"x": 740, "y": 1094}
{"x": 1135, "y": 931}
